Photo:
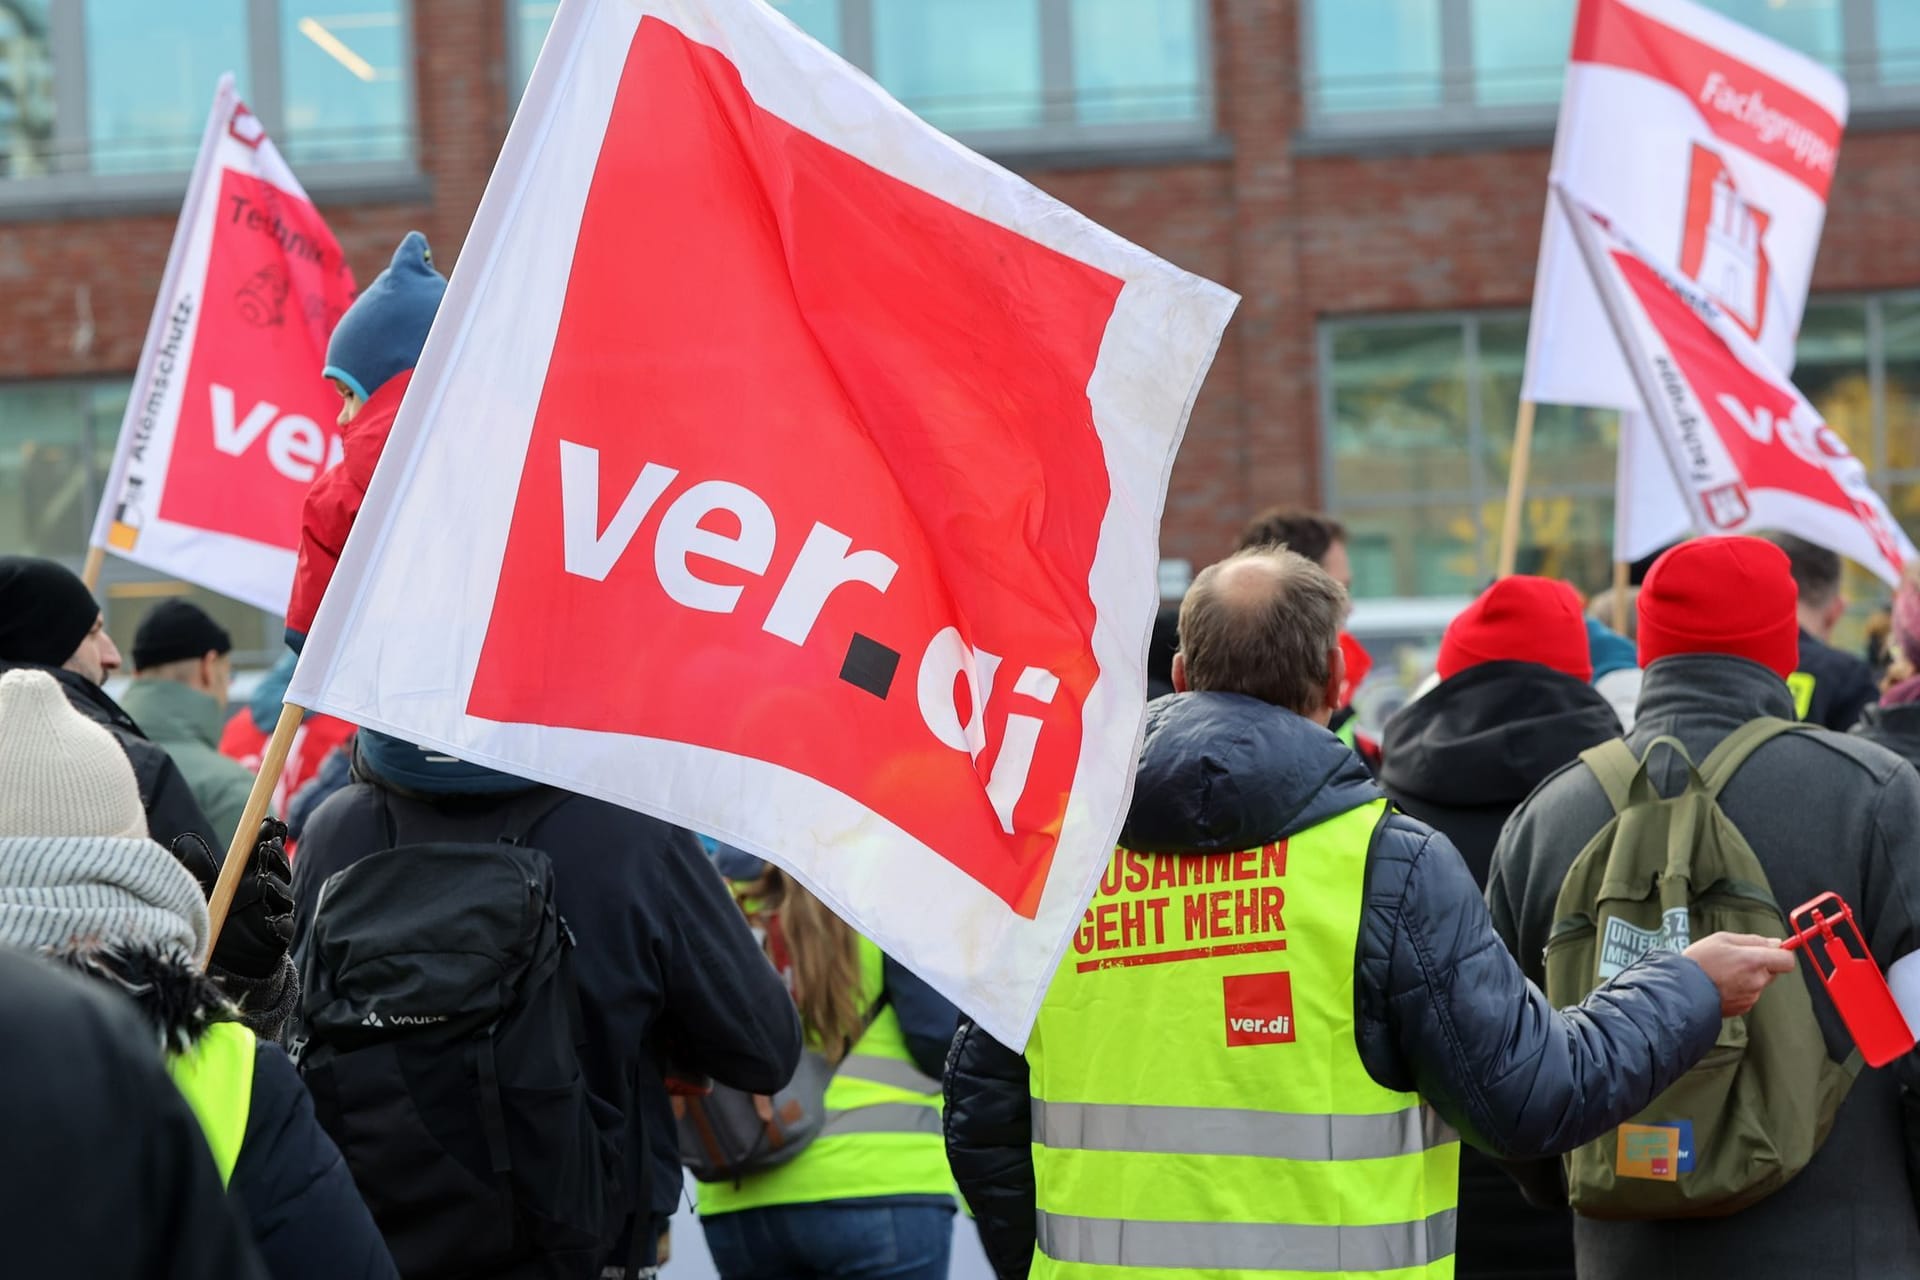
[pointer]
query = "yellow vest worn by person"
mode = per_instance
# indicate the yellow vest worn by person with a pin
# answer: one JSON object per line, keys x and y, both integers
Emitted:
{"x": 216, "y": 1078}
{"x": 882, "y": 1135}
{"x": 1200, "y": 1109}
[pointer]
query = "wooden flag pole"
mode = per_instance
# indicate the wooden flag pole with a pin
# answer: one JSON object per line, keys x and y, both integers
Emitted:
{"x": 241, "y": 851}
{"x": 1516, "y": 490}
{"x": 1620, "y": 615}
{"x": 90, "y": 572}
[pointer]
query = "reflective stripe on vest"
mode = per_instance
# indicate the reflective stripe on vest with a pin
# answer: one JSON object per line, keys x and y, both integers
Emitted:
{"x": 1247, "y": 1246}
{"x": 882, "y": 1132}
{"x": 216, "y": 1078}
{"x": 1200, "y": 1108}
{"x": 1207, "y": 1131}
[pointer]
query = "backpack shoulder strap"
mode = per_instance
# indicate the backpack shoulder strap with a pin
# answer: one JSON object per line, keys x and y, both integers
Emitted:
{"x": 528, "y": 811}
{"x": 1737, "y": 746}
{"x": 1613, "y": 764}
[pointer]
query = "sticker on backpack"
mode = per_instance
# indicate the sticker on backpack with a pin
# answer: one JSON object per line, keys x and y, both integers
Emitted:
{"x": 1623, "y": 944}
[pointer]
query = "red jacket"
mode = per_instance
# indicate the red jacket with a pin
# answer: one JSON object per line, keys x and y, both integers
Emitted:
{"x": 334, "y": 501}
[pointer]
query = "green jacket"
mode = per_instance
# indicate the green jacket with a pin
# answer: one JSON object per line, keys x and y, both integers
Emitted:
{"x": 187, "y": 724}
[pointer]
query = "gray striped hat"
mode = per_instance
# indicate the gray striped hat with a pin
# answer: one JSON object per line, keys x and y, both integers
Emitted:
{"x": 56, "y": 891}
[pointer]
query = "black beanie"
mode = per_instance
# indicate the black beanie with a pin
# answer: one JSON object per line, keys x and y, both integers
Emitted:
{"x": 174, "y": 630}
{"x": 45, "y": 611}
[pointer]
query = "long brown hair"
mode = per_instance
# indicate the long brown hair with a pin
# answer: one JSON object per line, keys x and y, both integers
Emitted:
{"x": 825, "y": 959}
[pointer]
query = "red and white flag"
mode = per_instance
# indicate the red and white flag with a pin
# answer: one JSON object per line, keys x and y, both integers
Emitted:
{"x": 1714, "y": 147}
{"x": 780, "y": 467}
{"x": 1748, "y": 450}
{"x": 229, "y": 419}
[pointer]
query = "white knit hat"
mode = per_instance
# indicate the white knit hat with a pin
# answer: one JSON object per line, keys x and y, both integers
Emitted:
{"x": 60, "y": 773}
{"x": 59, "y": 890}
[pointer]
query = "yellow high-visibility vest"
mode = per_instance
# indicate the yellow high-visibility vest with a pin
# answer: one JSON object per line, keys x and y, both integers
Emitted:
{"x": 882, "y": 1135}
{"x": 216, "y": 1078}
{"x": 1200, "y": 1109}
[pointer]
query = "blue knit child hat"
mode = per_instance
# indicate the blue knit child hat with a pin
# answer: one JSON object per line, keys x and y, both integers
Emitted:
{"x": 382, "y": 333}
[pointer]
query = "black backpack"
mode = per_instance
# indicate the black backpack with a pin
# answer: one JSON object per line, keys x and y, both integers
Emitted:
{"x": 443, "y": 1032}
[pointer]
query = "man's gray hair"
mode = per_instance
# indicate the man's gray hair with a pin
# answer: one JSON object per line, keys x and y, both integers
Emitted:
{"x": 1264, "y": 622}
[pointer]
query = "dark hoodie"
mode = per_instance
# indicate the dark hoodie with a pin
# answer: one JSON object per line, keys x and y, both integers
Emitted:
{"x": 667, "y": 969}
{"x": 1896, "y": 728}
{"x": 1440, "y": 1008}
{"x": 291, "y": 1183}
{"x": 1463, "y": 757}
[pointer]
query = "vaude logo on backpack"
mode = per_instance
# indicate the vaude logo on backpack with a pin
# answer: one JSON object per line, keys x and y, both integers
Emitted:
{"x": 443, "y": 1058}
{"x": 1664, "y": 871}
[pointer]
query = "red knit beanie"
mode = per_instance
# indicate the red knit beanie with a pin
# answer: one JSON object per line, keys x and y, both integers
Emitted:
{"x": 1731, "y": 596}
{"x": 1520, "y": 619}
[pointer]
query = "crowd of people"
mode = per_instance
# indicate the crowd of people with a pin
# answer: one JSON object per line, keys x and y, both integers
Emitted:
{"x": 1395, "y": 1014}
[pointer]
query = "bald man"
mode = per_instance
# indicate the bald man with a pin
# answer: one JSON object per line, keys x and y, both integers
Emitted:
{"x": 1286, "y": 1004}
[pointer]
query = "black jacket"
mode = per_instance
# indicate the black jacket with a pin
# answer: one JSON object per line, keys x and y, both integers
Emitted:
{"x": 106, "y": 1172}
{"x": 1843, "y": 685}
{"x": 1440, "y": 1008}
{"x": 667, "y": 969}
{"x": 1463, "y": 757}
{"x": 171, "y": 809}
{"x": 292, "y": 1185}
{"x": 1895, "y": 728}
{"x": 1822, "y": 811}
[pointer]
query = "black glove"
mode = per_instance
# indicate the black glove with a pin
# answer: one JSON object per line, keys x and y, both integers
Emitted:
{"x": 259, "y": 926}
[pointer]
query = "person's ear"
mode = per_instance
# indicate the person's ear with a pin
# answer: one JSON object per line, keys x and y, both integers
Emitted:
{"x": 1180, "y": 673}
{"x": 209, "y": 666}
{"x": 1336, "y": 677}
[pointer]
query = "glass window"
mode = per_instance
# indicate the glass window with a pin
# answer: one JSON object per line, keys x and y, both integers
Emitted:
{"x": 962, "y": 65}
{"x": 56, "y": 443}
{"x": 1376, "y": 55}
{"x": 346, "y": 83}
{"x": 150, "y": 78}
{"x": 1898, "y": 41}
{"x": 1520, "y": 50}
{"x": 1571, "y": 446}
{"x": 1137, "y": 60}
{"x": 56, "y": 446}
{"x": 1811, "y": 26}
{"x": 26, "y": 90}
{"x": 1831, "y": 371}
{"x": 1400, "y": 409}
{"x": 1420, "y": 433}
{"x": 998, "y": 66}
{"x": 1414, "y": 551}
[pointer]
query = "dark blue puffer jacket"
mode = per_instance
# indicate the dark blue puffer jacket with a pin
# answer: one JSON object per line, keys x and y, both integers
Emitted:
{"x": 1441, "y": 1009}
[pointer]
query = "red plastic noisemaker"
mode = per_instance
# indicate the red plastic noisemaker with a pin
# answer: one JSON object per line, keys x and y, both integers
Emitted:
{"x": 1858, "y": 989}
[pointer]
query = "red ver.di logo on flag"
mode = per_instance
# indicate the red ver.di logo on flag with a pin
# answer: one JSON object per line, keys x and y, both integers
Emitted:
{"x": 701, "y": 504}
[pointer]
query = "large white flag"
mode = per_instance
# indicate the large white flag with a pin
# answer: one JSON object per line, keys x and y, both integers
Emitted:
{"x": 1712, "y": 146}
{"x": 229, "y": 420}
{"x": 780, "y": 467}
{"x": 1748, "y": 451}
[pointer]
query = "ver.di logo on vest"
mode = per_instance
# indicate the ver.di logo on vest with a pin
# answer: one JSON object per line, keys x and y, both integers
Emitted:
{"x": 1259, "y": 1008}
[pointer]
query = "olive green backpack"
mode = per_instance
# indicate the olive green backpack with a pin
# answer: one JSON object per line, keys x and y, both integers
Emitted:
{"x": 1663, "y": 873}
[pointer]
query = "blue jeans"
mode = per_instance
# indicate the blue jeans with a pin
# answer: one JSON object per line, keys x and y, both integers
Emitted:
{"x": 845, "y": 1240}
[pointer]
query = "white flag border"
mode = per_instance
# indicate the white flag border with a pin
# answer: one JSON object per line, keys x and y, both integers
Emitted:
{"x": 1123, "y": 581}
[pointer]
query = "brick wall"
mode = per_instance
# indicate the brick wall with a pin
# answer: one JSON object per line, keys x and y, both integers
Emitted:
{"x": 1299, "y": 236}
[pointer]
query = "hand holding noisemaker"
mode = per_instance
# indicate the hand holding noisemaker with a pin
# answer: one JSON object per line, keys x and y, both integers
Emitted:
{"x": 1858, "y": 989}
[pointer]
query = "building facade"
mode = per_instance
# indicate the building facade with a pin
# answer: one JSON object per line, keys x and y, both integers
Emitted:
{"x": 1369, "y": 174}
